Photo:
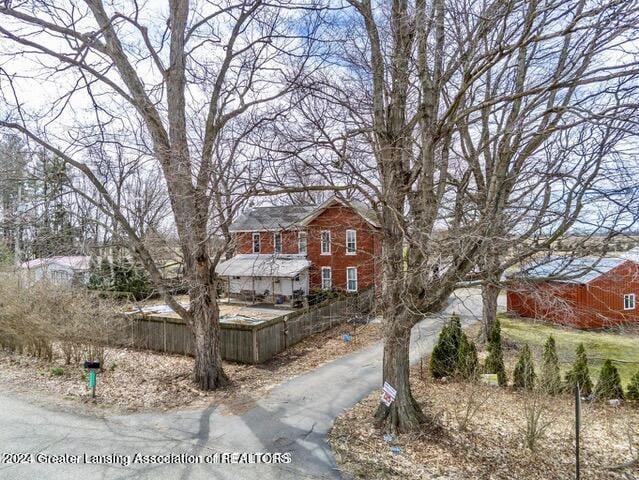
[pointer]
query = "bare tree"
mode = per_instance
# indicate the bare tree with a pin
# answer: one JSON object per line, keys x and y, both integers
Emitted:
{"x": 461, "y": 108}
{"x": 163, "y": 84}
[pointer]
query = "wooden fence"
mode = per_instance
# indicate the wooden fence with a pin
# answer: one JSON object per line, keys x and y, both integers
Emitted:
{"x": 251, "y": 343}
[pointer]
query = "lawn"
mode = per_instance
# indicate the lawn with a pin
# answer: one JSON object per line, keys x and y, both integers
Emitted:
{"x": 622, "y": 348}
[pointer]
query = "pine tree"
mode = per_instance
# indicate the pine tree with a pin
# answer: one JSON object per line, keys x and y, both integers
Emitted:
{"x": 106, "y": 273}
{"x": 443, "y": 360}
{"x": 524, "y": 374}
{"x": 467, "y": 362}
{"x": 95, "y": 278}
{"x": 633, "y": 388}
{"x": 580, "y": 374}
{"x": 550, "y": 377}
{"x": 495, "y": 360}
{"x": 609, "y": 383}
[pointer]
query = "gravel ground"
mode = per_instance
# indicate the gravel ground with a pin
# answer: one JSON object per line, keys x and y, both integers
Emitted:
{"x": 136, "y": 380}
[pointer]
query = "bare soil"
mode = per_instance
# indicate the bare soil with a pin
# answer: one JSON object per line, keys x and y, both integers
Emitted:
{"x": 134, "y": 380}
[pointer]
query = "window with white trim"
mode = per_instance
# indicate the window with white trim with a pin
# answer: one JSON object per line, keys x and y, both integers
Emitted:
{"x": 351, "y": 242}
{"x": 351, "y": 279}
{"x": 325, "y": 240}
{"x": 256, "y": 242}
{"x": 277, "y": 242}
{"x": 302, "y": 243}
{"x": 629, "y": 301}
{"x": 327, "y": 280}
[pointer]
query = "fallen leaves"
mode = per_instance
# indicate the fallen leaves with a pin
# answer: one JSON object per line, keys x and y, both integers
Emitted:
{"x": 134, "y": 380}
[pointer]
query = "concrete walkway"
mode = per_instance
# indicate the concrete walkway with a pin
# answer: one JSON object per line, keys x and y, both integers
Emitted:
{"x": 294, "y": 417}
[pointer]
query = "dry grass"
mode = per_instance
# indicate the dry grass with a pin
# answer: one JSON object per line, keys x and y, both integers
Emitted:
{"x": 493, "y": 444}
{"x": 479, "y": 432}
{"x": 139, "y": 381}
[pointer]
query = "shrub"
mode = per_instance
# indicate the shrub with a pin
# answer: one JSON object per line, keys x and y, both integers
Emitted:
{"x": 57, "y": 371}
{"x": 609, "y": 383}
{"x": 34, "y": 318}
{"x": 467, "y": 363}
{"x": 524, "y": 374}
{"x": 495, "y": 360}
{"x": 580, "y": 374}
{"x": 445, "y": 356}
{"x": 550, "y": 378}
{"x": 633, "y": 388}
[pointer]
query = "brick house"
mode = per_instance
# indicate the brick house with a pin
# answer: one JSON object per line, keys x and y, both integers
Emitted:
{"x": 583, "y": 293}
{"x": 287, "y": 251}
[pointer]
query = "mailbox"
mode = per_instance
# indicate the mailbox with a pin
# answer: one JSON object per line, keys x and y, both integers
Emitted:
{"x": 92, "y": 365}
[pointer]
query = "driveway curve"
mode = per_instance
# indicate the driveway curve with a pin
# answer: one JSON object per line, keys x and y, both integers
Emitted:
{"x": 294, "y": 417}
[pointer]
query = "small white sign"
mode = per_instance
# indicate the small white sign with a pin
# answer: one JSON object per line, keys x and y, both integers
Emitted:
{"x": 389, "y": 394}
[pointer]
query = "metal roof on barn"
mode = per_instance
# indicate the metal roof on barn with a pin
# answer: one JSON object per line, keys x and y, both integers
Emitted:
{"x": 574, "y": 270}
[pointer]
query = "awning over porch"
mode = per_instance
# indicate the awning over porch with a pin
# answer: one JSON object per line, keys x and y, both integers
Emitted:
{"x": 256, "y": 265}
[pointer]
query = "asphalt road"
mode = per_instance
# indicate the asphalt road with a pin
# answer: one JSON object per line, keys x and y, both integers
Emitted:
{"x": 294, "y": 417}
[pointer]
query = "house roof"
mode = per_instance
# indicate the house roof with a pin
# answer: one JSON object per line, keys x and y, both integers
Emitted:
{"x": 290, "y": 216}
{"x": 77, "y": 262}
{"x": 368, "y": 214}
{"x": 262, "y": 265}
{"x": 271, "y": 218}
{"x": 575, "y": 270}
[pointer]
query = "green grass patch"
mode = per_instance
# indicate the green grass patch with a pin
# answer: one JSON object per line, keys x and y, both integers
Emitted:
{"x": 621, "y": 348}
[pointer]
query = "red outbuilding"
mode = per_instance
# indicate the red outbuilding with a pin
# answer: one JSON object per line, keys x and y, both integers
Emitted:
{"x": 584, "y": 293}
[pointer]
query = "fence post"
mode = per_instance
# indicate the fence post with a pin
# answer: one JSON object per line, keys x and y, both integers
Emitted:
{"x": 164, "y": 334}
{"x": 577, "y": 430}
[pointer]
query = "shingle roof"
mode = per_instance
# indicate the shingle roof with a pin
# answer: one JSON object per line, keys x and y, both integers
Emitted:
{"x": 271, "y": 218}
{"x": 263, "y": 265}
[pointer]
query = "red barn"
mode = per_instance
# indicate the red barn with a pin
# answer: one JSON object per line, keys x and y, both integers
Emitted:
{"x": 287, "y": 251}
{"x": 585, "y": 293}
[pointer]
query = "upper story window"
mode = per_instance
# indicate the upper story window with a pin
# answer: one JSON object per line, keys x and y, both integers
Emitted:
{"x": 325, "y": 240}
{"x": 351, "y": 279}
{"x": 351, "y": 242}
{"x": 302, "y": 243}
{"x": 256, "y": 243}
{"x": 277, "y": 242}
{"x": 629, "y": 301}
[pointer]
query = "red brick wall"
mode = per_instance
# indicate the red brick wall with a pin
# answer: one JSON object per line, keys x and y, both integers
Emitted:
{"x": 244, "y": 242}
{"x": 338, "y": 219}
{"x": 597, "y": 304}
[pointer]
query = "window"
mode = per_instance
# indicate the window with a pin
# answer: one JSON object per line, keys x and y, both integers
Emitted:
{"x": 327, "y": 281}
{"x": 351, "y": 242}
{"x": 302, "y": 242}
{"x": 629, "y": 301}
{"x": 256, "y": 243}
{"x": 351, "y": 279}
{"x": 277, "y": 242}
{"x": 325, "y": 237}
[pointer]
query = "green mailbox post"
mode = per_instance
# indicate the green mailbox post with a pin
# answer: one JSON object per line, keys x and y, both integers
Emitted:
{"x": 92, "y": 378}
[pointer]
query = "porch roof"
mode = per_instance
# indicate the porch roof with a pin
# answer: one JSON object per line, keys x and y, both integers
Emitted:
{"x": 262, "y": 265}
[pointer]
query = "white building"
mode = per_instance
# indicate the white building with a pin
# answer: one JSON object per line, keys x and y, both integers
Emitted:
{"x": 58, "y": 270}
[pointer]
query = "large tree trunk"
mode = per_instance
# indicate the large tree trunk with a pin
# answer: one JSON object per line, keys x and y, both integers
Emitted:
{"x": 404, "y": 414}
{"x": 205, "y": 316}
{"x": 490, "y": 295}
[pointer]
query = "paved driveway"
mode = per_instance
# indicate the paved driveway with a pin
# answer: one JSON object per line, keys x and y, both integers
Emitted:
{"x": 294, "y": 417}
